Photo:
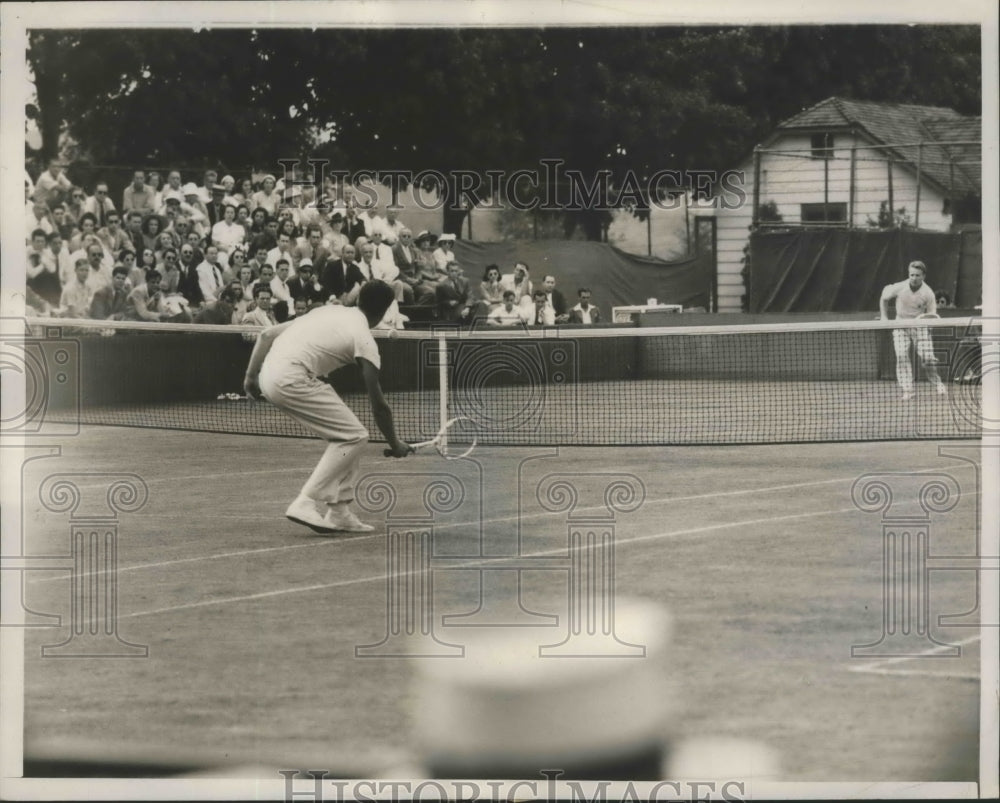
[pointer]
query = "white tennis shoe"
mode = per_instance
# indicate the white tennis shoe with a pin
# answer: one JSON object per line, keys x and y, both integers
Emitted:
{"x": 339, "y": 517}
{"x": 305, "y": 511}
{"x": 908, "y": 396}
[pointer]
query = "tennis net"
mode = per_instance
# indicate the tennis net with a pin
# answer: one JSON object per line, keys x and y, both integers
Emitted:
{"x": 727, "y": 384}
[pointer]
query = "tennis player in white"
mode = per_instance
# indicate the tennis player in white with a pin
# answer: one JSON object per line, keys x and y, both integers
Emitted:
{"x": 285, "y": 368}
{"x": 914, "y": 298}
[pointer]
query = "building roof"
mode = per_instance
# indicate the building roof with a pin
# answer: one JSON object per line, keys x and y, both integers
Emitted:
{"x": 902, "y": 126}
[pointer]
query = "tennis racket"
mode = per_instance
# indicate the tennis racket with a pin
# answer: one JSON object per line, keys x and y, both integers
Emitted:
{"x": 455, "y": 440}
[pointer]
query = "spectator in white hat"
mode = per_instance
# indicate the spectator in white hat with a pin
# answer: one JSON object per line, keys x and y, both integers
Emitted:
{"x": 444, "y": 254}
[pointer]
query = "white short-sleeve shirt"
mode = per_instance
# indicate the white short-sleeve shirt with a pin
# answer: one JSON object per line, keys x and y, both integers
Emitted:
{"x": 910, "y": 304}
{"x": 326, "y": 339}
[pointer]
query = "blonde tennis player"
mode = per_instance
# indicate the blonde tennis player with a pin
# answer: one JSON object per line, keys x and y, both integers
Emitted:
{"x": 914, "y": 299}
{"x": 286, "y": 367}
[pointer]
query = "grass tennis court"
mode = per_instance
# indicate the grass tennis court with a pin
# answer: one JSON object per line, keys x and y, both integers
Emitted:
{"x": 769, "y": 569}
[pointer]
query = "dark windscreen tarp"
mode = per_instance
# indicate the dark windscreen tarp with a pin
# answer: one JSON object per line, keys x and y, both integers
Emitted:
{"x": 835, "y": 270}
{"x": 614, "y": 277}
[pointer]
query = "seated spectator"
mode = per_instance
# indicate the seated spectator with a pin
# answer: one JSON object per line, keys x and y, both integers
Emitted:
{"x": 305, "y": 285}
{"x": 244, "y": 191}
{"x": 171, "y": 271}
{"x": 372, "y": 220}
{"x": 77, "y": 295}
{"x": 354, "y": 227}
{"x": 145, "y": 262}
{"x": 268, "y": 239}
{"x": 164, "y": 243}
{"x": 243, "y": 218}
{"x": 313, "y": 248}
{"x": 266, "y": 276}
{"x": 943, "y": 301}
{"x": 490, "y": 291}
{"x": 334, "y": 234}
{"x": 299, "y": 308}
{"x": 508, "y": 313}
{"x": 133, "y": 230}
{"x": 279, "y": 284}
{"x": 258, "y": 223}
{"x": 267, "y": 198}
{"x": 58, "y": 255}
{"x": 584, "y": 311}
{"x": 520, "y": 282}
{"x": 135, "y": 275}
{"x": 227, "y": 233}
{"x": 237, "y": 261}
{"x": 444, "y": 252}
{"x": 245, "y": 280}
{"x": 283, "y": 250}
{"x": 111, "y": 303}
{"x": 287, "y": 225}
{"x": 62, "y": 222}
{"x": 192, "y": 198}
{"x": 139, "y": 196}
{"x": 224, "y": 311}
{"x": 542, "y": 313}
{"x": 261, "y": 314}
{"x": 42, "y": 273}
{"x": 556, "y": 300}
{"x": 52, "y": 186}
{"x": 99, "y": 205}
{"x": 154, "y": 181}
{"x": 113, "y": 237}
{"x": 152, "y": 225}
{"x": 76, "y": 205}
{"x": 87, "y": 228}
{"x": 453, "y": 296}
{"x": 148, "y": 302}
{"x": 100, "y": 268}
{"x": 187, "y": 266}
{"x": 39, "y": 219}
{"x": 358, "y": 273}
{"x": 210, "y": 274}
{"x": 384, "y": 268}
{"x": 391, "y": 226}
{"x": 334, "y": 275}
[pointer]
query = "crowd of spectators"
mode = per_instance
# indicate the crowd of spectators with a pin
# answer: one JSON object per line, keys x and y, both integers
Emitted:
{"x": 228, "y": 251}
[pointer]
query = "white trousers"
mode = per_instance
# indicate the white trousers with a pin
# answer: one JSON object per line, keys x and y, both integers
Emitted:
{"x": 317, "y": 406}
{"x": 922, "y": 344}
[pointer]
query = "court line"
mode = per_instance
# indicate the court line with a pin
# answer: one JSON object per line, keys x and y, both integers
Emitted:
{"x": 334, "y": 541}
{"x": 230, "y": 474}
{"x": 475, "y": 563}
{"x": 454, "y": 525}
{"x": 882, "y": 666}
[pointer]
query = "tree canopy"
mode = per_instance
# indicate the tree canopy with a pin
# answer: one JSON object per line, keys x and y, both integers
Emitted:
{"x": 613, "y": 99}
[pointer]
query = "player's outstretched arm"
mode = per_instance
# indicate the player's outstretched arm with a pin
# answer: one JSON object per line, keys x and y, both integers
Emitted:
{"x": 381, "y": 410}
{"x": 263, "y": 345}
{"x": 883, "y": 303}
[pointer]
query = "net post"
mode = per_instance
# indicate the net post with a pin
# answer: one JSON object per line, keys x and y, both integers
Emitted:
{"x": 443, "y": 389}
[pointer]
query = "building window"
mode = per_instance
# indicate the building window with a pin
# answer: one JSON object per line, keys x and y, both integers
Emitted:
{"x": 822, "y": 146}
{"x": 830, "y": 214}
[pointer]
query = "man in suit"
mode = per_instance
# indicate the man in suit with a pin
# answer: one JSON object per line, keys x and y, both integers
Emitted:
{"x": 313, "y": 249}
{"x": 305, "y": 285}
{"x": 555, "y": 300}
{"x": 354, "y": 226}
{"x": 453, "y": 296}
{"x": 584, "y": 312}
{"x": 335, "y": 274}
